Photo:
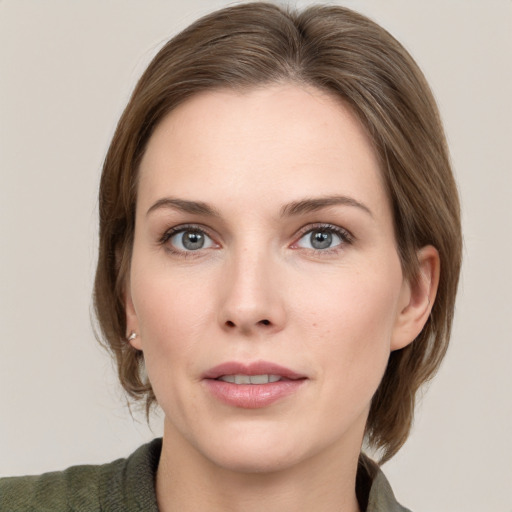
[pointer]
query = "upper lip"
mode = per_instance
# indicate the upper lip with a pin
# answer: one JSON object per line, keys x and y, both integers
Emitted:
{"x": 254, "y": 368}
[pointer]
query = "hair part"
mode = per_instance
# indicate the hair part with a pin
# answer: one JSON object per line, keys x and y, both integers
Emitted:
{"x": 352, "y": 58}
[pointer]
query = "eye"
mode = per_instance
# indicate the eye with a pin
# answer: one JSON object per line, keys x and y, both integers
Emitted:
{"x": 188, "y": 239}
{"x": 322, "y": 238}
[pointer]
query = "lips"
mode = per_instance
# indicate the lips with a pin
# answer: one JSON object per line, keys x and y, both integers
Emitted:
{"x": 256, "y": 368}
{"x": 242, "y": 378}
{"x": 252, "y": 386}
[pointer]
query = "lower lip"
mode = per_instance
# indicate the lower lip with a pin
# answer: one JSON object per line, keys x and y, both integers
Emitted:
{"x": 252, "y": 396}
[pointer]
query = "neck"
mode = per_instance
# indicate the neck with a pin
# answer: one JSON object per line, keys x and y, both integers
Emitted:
{"x": 187, "y": 481}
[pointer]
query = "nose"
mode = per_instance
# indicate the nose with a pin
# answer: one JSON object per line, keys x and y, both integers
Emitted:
{"x": 252, "y": 295}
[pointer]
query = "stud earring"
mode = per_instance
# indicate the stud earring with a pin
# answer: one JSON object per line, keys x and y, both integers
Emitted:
{"x": 132, "y": 336}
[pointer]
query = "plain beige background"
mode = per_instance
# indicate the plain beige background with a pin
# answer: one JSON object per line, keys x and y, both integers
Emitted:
{"x": 66, "y": 71}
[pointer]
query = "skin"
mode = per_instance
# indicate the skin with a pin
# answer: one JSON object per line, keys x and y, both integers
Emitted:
{"x": 258, "y": 290}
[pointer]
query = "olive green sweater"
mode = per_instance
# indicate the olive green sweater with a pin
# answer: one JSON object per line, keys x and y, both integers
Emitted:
{"x": 128, "y": 485}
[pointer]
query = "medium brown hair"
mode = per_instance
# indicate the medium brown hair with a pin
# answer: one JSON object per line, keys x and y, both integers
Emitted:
{"x": 354, "y": 59}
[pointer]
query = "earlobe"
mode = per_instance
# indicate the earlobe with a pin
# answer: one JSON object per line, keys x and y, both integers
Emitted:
{"x": 132, "y": 325}
{"x": 417, "y": 299}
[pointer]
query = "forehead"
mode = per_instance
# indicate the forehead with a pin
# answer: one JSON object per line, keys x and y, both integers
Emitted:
{"x": 263, "y": 142}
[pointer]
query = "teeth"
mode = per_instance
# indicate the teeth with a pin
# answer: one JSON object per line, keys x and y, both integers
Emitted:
{"x": 242, "y": 379}
{"x": 258, "y": 379}
{"x": 250, "y": 379}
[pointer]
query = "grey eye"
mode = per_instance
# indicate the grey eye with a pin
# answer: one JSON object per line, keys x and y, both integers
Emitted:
{"x": 191, "y": 240}
{"x": 319, "y": 239}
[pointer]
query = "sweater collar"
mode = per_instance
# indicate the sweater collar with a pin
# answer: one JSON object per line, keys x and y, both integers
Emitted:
{"x": 372, "y": 488}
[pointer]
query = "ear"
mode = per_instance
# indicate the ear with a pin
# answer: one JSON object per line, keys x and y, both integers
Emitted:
{"x": 416, "y": 299}
{"x": 132, "y": 323}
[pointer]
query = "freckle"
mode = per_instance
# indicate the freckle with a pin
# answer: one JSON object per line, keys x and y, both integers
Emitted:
{"x": 314, "y": 325}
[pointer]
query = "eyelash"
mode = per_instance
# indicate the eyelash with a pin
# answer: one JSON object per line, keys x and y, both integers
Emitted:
{"x": 345, "y": 236}
{"x": 181, "y": 229}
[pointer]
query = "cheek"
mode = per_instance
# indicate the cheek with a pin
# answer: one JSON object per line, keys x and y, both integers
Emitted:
{"x": 351, "y": 301}
{"x": 351, "y": 316}
{"x": 165, "y": 293}
{"x": 172, "y": 310}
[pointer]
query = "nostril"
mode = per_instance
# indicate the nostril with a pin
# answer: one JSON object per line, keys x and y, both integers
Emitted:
{"x": 231, "y": 324}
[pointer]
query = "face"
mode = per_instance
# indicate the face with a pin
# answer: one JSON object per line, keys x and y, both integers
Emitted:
{"x": 265, "y": 283}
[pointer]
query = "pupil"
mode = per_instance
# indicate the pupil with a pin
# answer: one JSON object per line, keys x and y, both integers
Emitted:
{"x": 321, "y": 239}
{"x": 193, "y": 240}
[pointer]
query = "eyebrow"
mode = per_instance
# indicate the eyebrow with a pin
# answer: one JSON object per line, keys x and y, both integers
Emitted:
{"x": 184, "y": 205}
{"x": 309, "y": 205}
{"x": 294, "y": 208}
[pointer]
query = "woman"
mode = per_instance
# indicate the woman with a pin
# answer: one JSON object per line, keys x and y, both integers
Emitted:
{"x": 279, "y": 256}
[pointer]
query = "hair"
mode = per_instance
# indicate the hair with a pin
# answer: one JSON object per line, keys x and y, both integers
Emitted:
{"x": 346, "y": 54}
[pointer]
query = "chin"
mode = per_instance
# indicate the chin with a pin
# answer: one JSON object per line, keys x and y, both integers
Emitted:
{"x": 253, "y": 447}
{"x": 255, "y": 459}
{"x": 263, "y": 447}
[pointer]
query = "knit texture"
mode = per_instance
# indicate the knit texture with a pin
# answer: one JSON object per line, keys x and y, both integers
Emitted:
{"x": 128, "y": 485}
{"x": 123, "y": 485}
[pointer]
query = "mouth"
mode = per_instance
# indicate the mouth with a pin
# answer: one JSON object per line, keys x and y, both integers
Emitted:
{"x": 257, "y": 372}
{"x": 241, "y": 378}
{"x": 252, "y": 386}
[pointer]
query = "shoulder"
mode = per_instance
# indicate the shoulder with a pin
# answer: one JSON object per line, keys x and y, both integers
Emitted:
{"x": 125, "y": 484}
{"x": 374, "y": 492}
{"x": 64, "y": 490}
